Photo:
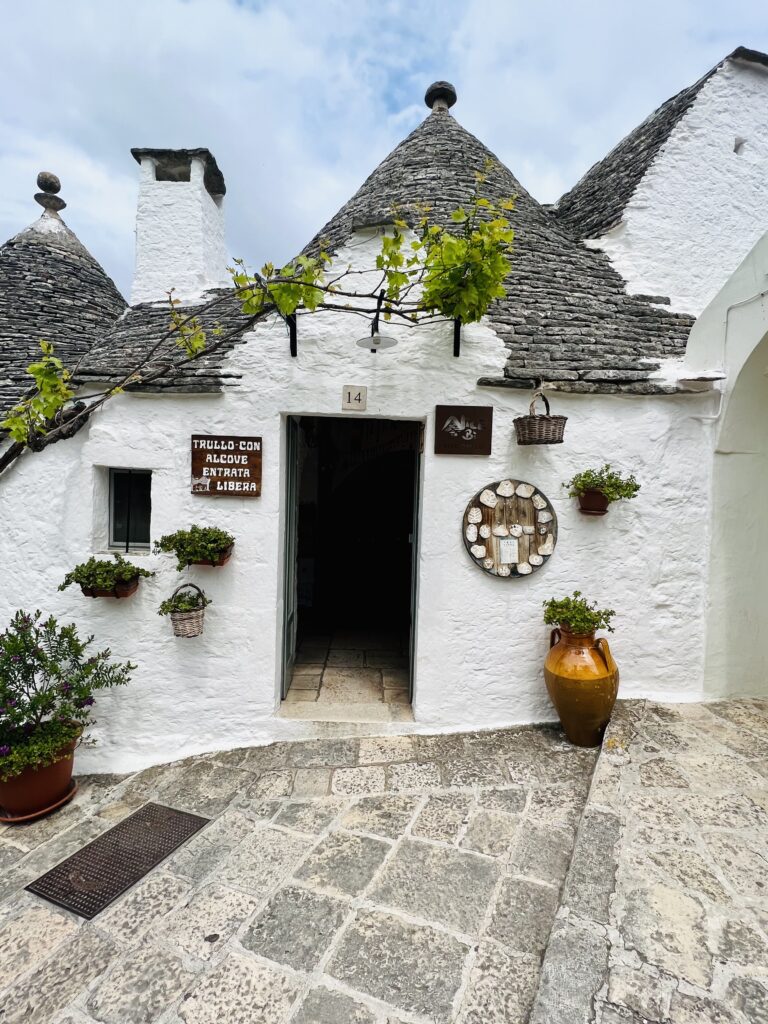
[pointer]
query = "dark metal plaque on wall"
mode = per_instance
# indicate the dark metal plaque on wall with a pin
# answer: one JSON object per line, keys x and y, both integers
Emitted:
{"x": 225, "y": 466}
{"x": 463, "y": 429}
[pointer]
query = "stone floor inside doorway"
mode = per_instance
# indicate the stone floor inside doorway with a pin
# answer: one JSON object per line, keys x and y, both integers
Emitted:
{"x": 350, "y": 675}
{"x": 485, "y": 878}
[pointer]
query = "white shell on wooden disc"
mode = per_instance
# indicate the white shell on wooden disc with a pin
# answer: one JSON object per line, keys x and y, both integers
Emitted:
{"x": 503, "y": 570}
{"x": 548, "y": 546}
{"x": 485, "y": 531}
{"x": 535, "y": 559}
{"x": 544, "y": 517}
{"x": 500, "y": 531}
{"x": 478, "y": 550}
{"x": 475, "y": 515}
{"x": 488, "y": 498}
{"x": 471, "y": 533}
{"x": 523, "y": 568}
{"x": 525, "y": 490}
{"x": 538, "y": 501}
{"x": 488, "y": 563}
{"x": 506, "y": 489}
{"x": 543, "y": 530}
{"x": 529, "y": 530}
{"x": 516, "y": 530}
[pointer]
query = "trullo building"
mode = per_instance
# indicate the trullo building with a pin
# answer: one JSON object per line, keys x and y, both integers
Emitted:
{"x": 353, "y": 600}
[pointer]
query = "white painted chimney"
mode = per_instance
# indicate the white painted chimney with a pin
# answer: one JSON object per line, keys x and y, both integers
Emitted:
{"x": 179, "y": 225}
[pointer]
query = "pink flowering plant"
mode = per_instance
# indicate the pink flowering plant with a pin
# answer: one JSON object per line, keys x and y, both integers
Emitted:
{"x": 47, "y": 681}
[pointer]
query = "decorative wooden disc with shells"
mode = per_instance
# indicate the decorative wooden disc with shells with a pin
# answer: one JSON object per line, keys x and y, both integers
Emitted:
{"x": 509, "y": 529}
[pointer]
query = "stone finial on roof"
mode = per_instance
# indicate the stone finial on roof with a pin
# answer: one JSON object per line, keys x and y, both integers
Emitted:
{"x": 50, "y": 185}
{"x": 440, "y": 96}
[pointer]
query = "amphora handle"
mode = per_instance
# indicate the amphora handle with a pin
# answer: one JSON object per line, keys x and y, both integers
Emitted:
{"x": 602, "y": 645}
{"x": 554, "y": 637}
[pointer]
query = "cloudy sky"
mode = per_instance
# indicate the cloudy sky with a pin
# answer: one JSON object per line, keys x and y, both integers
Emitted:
{"x": 300, "y": 99}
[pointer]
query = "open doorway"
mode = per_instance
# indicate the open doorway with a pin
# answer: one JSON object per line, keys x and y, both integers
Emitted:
{"x": 350, "y": 566}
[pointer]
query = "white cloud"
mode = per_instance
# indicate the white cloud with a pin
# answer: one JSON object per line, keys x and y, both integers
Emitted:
{"x": 299, "y": 101}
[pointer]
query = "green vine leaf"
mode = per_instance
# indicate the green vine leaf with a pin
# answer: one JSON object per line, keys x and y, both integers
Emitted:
{"x": 33, "y": 414}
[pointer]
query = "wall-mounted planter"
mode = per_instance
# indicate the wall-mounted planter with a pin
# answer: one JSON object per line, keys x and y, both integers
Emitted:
{"x": 186, "y": 611}
{"x": 593, "y": 503}
{"x": 199, "y": 545}
{"x": 124, "y": 589}
{"x": 223, "y": 558}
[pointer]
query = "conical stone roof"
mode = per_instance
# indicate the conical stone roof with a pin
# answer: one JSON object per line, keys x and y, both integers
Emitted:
{"x": 50, "y": 288}
{"x": 567, "y": 318}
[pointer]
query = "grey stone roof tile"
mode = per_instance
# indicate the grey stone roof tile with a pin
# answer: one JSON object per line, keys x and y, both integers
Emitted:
{"x": 597, "y": 202}
{"x": 127, "y": 345}
{"x": 50, "y": 288}
{"x": 565, "y": 305}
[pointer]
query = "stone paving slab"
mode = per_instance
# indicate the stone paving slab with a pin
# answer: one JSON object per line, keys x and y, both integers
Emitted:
{"x": 667, "y": 888}
{"x": 484, "y": 878}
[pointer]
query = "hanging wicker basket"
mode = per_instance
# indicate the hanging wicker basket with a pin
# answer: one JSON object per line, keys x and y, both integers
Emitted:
{"x": 188, "y": 623}
{"x": 540, "y": 429}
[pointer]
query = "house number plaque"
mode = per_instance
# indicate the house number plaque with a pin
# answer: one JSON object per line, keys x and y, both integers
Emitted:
{"x": 226, "y": 466}
{"x": 354, "y": 398}
{"x": 509, "y": 529}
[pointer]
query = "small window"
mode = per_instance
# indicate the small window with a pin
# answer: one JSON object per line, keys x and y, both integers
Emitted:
{"x": 130, "y": 508}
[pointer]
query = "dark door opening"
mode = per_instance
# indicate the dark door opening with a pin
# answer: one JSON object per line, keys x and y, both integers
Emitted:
{"x": 355, "y": 495}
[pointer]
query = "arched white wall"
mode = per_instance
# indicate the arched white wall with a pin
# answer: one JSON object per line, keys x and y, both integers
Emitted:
{"x": 737, "y": 653}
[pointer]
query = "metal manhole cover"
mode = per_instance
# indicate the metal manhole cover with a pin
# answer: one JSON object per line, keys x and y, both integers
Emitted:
{"x": 92, "y": 878}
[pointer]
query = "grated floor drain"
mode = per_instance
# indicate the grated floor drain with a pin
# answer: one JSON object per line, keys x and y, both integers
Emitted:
{"x": 92, "y": 878}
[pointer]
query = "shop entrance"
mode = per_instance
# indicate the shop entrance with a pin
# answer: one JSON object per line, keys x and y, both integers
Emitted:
{"x": 352, "y": 513}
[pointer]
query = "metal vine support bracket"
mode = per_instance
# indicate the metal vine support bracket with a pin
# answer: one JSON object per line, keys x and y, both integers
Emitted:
{"x": 457, "y": 337}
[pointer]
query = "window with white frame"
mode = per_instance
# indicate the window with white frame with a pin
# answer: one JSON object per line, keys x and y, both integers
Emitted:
{"x": 130, "y": 508}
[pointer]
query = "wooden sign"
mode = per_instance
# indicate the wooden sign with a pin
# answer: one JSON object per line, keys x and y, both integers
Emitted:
{"x": 225, "y": 466}
{"x": 463, "y": 429}
{"x": 509, "y": 529}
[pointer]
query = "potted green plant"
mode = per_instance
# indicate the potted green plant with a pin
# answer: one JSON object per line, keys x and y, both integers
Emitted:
{"x": 187, "y": 611}
{"x": 102, "y": 578}
{"x": 199, "y": 545}
{"x": 48, "y": 678}
{"x": 597, "y": 488}
{"x": 581, "y": 676}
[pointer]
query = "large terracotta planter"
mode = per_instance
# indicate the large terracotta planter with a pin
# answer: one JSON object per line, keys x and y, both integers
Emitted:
{"x": 593, "y": 503}
{"x": 583, "y": 682}
{"x": 38, "y": 790}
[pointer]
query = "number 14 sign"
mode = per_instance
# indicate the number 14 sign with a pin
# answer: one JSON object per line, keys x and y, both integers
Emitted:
{"x": 353, "y": 398}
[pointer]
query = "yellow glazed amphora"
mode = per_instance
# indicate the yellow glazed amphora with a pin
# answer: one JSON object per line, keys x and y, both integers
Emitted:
{"x": 583, "y": 682}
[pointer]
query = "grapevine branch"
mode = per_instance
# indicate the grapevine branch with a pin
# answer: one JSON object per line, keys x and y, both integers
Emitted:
{"x": 448, "y": 275}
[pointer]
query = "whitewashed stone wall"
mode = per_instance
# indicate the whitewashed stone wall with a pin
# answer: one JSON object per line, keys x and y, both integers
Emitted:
{"x": 693, "y": 217}
{"x": 481, "y": 641}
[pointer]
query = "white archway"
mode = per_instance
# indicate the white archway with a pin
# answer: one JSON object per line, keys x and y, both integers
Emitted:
{"x": 730, "y": 341}
{"x": 737, "y": 624}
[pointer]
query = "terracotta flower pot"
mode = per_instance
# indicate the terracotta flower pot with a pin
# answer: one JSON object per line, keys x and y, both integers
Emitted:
{"x": 223, "y": 558}
{"x": 593, "y": 503}
{"x": 36, "y": 790}
{"x": 122, "y": 589}
{"x": 583, "y": 682}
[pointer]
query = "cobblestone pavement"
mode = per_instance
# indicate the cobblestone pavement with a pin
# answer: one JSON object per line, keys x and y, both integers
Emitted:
{"x": 415, "y": 880}
{"x": 386, "y": 880}
{"x": 665, "y": 909}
